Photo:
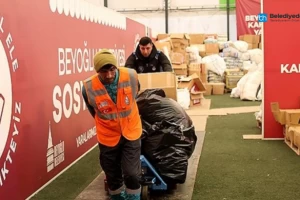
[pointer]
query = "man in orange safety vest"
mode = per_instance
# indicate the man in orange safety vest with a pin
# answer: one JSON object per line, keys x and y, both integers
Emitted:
{"x": 110, "y": 97}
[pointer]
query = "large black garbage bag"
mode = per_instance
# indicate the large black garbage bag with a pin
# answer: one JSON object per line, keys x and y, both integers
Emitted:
{"x": 154, "y": 107}
{"x": 169, "y": 137}
{"x": 147, "y": 93}
{"x": 168, "y": 148}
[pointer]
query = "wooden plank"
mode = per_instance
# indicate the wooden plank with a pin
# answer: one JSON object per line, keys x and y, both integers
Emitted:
{"x": 252, "y": 137}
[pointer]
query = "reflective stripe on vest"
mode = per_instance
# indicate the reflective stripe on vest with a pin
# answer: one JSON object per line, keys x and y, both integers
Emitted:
{"x": 133, "y": 82}
{"x": 93, "y": 93}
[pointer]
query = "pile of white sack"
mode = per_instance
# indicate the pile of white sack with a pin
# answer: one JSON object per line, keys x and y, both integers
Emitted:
{"x": 249, "y": 86}
{"x": 234, "y": 53}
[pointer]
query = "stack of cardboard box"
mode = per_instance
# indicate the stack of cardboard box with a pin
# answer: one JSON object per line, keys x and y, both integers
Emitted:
{"x": 165, "y": 46}
{"x": 290, "y": 119}
{"x": 195, "y": 87}
{"x": 179, "y": 57}
{"x": 197, "y": 40}
{"x": 193, "y": 76}
{"x": 177, "y": 44}
{"x": 210, "y": 88}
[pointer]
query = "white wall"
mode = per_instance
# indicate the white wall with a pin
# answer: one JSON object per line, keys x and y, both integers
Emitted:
{"x": 143, "y": 4}
{"x": 189, "y": 22}
{"x": 131, "y": 4}
{"x": 207, "y": 20}
{"x": 195, "y": 3}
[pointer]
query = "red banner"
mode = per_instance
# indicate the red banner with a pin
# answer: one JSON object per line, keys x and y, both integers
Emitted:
{"x": 46, "y": 50}
{"x": 246, "y": 17}
{"x": 281, "y": 44}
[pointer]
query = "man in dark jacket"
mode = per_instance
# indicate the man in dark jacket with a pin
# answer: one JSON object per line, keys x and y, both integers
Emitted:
{"x": 147, "y": 59}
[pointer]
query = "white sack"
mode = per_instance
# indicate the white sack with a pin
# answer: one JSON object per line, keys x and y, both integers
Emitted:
{"x": 215, "y": 63}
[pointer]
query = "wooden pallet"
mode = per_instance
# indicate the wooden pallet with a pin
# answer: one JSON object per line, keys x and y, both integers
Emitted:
{"x": 292, "y": 146}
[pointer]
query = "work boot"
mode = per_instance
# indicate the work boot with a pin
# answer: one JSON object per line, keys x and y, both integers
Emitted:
{"x": 120, "y": 196}
{"x": 133, "y": 197}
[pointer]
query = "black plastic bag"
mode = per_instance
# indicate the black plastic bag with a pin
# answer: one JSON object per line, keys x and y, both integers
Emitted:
{"x": 154, "y": 107}
{"x": 169, "y": 137}
{"x": 168, "y": 148}
{"x": 147, "y": 93}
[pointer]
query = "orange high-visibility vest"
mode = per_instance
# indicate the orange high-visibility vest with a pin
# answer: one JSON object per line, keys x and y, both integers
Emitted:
{"x": 115, "y": 119}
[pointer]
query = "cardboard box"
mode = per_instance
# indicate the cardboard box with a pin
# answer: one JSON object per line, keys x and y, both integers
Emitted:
{"x": 285, "y": 116}
{"x": 209, "y": 54}
{"x": 204, "y": 72}
{"x": 252, "y": 45}
{"x": 200, "y": 47}
{"x": 212, "y": 48}
{"x": 209, "y": 88}
{"x": 218, "y": 88}
{"x": 162, "y": 80}
{"x": 180, "y": 38}
{"x": 195, "y": 86}
{"x": 202, "y": 53}
{"x": 190, "y": 82}
{"x": 292, "y": 117}
{"x": 203, "y": 69}
{"x": 178, "y": 58}
{"x": 203, "y": 78}
{"x": 197, "y": 38}
{"x": 211, "y": 36}
{"x": 278, "y": 113}
{"x": 162, "y": 36}
{"x": 180, "y": 42}
{"x": 180, "y": 69}
{"x": 196, "y": 99}
{"x": 194, "y": 68}
{"x": 254, "y": 39}
{"x": 187, "y": 58}
{"x": 296, "y": 139}
{"x": 160, "y": 45}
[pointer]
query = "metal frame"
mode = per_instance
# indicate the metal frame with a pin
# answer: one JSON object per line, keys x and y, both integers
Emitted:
{"x": 157, "y": 183}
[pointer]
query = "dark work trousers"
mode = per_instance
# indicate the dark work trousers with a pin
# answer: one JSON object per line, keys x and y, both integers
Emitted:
{"x": 124, "y": 157}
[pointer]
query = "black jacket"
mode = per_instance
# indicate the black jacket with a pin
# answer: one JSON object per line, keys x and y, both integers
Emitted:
{"x": 156, "y": 62}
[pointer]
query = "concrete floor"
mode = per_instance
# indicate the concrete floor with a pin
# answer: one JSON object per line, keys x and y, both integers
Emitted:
{"x": 96, "y": 191}
{"x": 199, "y": 115}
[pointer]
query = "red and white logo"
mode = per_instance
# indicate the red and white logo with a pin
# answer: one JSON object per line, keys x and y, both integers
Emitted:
{"x": 5, "y": 98}
{"x": 9, "y": 110}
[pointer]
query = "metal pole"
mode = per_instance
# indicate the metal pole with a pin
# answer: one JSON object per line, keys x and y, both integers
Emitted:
{"x": 228, "y": 18}
{"x": 167, "y": 15}
{"x": 105, "y": 3}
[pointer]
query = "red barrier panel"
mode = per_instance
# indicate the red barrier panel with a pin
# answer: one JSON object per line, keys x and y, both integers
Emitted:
{"x": 246, "y": 17}
{"x": 281, "y": 44}
{"x": 46, "y": 50}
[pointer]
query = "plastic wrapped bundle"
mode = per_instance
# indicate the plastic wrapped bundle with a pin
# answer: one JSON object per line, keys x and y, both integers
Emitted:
{"x": 169, "y": 137}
